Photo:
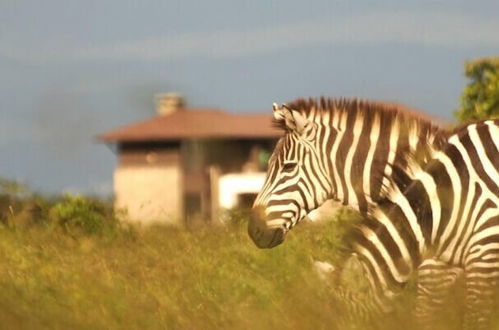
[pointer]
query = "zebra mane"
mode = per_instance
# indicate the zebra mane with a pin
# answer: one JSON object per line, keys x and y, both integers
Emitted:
{"x": 313, "y": 107}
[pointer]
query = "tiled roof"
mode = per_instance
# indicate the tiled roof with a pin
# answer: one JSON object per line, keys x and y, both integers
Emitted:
{"x": 195, "y": 123}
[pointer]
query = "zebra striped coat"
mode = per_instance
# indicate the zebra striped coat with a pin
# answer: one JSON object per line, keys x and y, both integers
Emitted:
{"x": 441, "y": 220}
{"x": 341, "y": 150}
{"x": 335, "y": 149}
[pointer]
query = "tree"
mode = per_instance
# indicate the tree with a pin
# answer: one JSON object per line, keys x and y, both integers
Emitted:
{"x": 480, "y": 98}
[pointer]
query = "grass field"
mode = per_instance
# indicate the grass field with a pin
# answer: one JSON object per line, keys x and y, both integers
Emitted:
{"x": 174, "y": 278}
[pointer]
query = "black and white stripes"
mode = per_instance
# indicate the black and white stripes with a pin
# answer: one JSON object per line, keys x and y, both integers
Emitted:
{"x": 430, "y": 197}
{"x": 441, "y": 220}
{"x": 339, "y": 149}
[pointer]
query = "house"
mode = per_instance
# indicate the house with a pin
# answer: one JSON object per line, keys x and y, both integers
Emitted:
{"x": 189, "y": 163}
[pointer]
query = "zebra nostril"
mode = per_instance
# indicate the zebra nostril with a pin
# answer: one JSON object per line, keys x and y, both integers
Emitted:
{"x": 262, "y": 235}
{"x": 256, "y": 234}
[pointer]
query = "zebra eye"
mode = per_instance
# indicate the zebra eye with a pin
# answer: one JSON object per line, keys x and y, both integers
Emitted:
{"x": 288, "y": 167}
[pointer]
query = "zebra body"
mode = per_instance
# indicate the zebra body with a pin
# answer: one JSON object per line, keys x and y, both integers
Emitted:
{"x": 376, "y": 161}
{"x": 441, "y": 221}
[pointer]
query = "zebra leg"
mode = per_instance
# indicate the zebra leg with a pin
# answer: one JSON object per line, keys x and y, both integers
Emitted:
{"x": 435, "y": 278}
{"x": 358, "y": 292}
{"x": 482, "y": 275}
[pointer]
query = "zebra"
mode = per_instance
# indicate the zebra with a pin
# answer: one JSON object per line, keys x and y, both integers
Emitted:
{"x": 441, "y": 220}
{"x": 314, "y": 161}
{"x": 350, "y": 147}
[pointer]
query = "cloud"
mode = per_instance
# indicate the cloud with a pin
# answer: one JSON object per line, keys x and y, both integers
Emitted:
{"x": 440, "y": 29}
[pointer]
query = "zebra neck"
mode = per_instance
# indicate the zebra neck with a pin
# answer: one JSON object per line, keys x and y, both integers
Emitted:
{"x": 364, "y": 150}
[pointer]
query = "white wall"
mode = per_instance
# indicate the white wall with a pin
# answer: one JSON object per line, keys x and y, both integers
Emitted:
{"x": 231, "y": 185}
{"x": 150, "y": 193}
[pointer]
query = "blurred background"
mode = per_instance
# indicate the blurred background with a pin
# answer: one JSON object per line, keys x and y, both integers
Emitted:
{"x": 119, "y": 107}
{"x": 72, "y": 70}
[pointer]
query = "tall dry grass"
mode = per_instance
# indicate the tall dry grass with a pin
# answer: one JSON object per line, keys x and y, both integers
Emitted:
{"x": 60, "y": 277}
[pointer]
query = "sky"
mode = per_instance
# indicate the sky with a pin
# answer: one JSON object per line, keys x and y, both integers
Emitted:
{"x": 70, "y": 70}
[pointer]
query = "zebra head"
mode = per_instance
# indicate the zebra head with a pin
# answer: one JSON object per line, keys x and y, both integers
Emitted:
{"x": 297, "y": 181}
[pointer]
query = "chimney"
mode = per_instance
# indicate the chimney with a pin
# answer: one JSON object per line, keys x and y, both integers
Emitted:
{"x": 168, "y": 103}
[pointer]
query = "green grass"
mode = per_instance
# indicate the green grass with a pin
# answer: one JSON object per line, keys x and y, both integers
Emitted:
{"x": 171, "y": 278}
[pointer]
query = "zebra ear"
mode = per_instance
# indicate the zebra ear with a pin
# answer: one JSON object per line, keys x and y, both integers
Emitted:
{"x": 293, "y": 120}
{"x": 300, "y": 121}
{"x": 278, "y": 112}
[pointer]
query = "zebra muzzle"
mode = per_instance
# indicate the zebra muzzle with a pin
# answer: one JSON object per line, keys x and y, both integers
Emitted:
{"x": 264, "y": 236}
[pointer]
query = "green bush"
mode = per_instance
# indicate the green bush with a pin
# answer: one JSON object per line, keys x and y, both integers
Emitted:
{"x": 79, "y": 214}
{"x": 20, "y": 208}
